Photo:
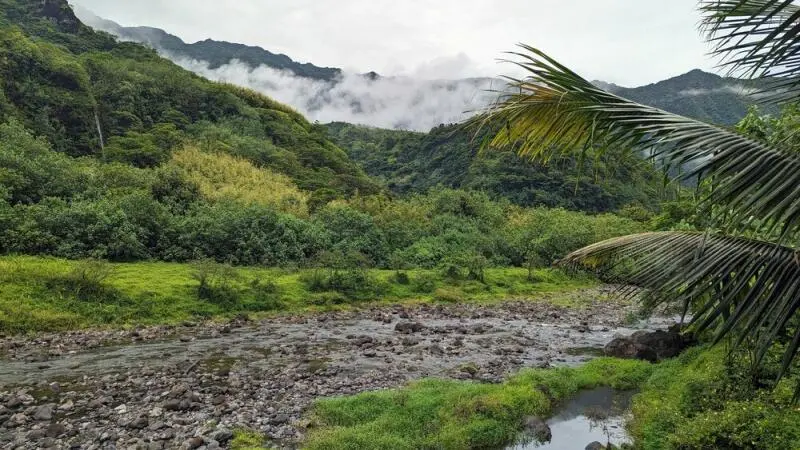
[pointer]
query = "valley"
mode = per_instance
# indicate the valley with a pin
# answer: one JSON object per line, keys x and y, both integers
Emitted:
{"x": 212, "y": 245}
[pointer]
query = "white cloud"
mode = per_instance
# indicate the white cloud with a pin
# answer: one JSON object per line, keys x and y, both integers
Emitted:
{"x": 393, "y": 102}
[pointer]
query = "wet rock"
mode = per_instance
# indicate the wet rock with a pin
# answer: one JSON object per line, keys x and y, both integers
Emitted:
{"x": 595, "y": 446}
{"x": 55, "y": 430}
{"x": 537, "y": 428}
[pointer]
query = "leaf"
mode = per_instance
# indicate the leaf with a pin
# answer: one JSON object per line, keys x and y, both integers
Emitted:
{"x": 740, "y": 287}
{"x": 554, "y": 112}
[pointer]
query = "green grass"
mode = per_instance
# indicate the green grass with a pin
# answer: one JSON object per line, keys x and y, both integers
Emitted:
{"x": 42, "y": 294}
{"x": 703, "y": 400}
{"x": 439, "y": 414}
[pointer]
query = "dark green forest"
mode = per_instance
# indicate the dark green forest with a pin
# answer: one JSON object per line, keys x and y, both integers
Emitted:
{"x": 109, "y": 151}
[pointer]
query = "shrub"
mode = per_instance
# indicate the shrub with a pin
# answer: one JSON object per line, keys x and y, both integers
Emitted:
{"x": 215, "y": 283}
{"x": 86, "y": 280}
{"x": 423, "y": 283}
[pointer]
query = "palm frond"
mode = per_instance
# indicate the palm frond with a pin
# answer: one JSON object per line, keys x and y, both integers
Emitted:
{"x": 556, "y": 112}
{"x": 739, "y": 286}
{"x": 757, "y": 38}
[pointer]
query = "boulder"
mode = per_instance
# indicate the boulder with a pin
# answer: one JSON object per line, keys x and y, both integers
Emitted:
{"x": 648, "y": 345}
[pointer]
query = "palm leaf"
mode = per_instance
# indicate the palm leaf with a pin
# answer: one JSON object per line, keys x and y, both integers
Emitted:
{"x": 757, "y": 38}
{"x": 554, "y": 112}
{"x": 740, "y": 286}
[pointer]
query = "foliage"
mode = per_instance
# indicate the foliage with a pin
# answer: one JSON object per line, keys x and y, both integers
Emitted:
{"x": 449, "y": 156}
{"x": 459, "y": 415}
{"x": 223, "y": 177}
{"x": 749, "y": 184}
{"x": 704, "y": 400}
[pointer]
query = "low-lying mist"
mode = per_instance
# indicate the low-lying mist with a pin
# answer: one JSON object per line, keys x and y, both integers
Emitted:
{"x": 385, "y": 102}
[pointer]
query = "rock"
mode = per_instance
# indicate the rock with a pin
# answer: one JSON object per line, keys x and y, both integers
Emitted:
{"x": 409, "y": 327}
{"x": 139, "y": 424}
{"x": 66, "y": 406}
{"x": 536, "y": 427}
{"x": 156, "y": 412}
{"x": 647, "y": 345}
{"x": 35, "y": 435}
{"x": 121, "y": 409}
{"x": 55, "y": 430}
{"x": 43, "y": 413}
{"x": 595, "y": 446}
{"x": 194, "y": 442}
{"x": 280, "y": 419}
{"x": 223, "y": 435}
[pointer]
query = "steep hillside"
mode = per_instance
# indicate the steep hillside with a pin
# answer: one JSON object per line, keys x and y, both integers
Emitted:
{"x": 216, "y": 53}
{"x": 89, "y": 95}
{"x": 449, "y": 156}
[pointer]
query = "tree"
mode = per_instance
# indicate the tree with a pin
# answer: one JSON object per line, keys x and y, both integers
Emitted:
{"x": 742, "y": 274}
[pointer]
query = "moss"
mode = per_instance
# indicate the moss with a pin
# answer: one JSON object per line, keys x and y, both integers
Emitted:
{"x": 459, "y": 415}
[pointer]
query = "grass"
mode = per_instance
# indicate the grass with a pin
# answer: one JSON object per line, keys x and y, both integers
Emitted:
{"x": 50, "y": 294}
{"x": 439, "y": 414}
{"x": 705, "y": 399}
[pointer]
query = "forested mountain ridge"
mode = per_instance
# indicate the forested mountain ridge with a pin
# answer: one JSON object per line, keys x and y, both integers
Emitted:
{"x": 216, "y": 53}
{"x": 696, "y": 94}
{"x": 449, "y": 156}
{"x": 90, "y": 95}
{"x": 699, "y": 95}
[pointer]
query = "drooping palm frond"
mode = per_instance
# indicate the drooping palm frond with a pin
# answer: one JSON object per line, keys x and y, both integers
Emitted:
{"x": 555, "y": 111}
{"x": 757, "y": 38}
{"x": 740, "y": 286}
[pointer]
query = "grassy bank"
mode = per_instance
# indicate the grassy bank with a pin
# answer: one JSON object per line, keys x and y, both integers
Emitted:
{"x": 701, "y": 400}
{"x": 49, "y": 294}
{"x": 459, "y": 415}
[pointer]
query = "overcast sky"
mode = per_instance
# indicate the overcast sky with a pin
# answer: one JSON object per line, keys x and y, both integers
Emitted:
{"x": 628, "y": 42}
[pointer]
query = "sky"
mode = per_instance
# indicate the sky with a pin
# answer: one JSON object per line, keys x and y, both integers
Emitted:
{"x": 627, "y": 42}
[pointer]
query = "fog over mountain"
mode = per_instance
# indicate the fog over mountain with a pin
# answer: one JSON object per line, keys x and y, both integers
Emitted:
{"x": 435, "y": 94}
{"x": 323, "y": 94}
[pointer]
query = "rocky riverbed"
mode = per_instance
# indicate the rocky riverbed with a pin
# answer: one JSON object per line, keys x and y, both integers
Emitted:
{"x": 190, "y": 386}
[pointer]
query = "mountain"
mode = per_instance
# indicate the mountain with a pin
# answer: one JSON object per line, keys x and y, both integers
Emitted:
{"x": 215, "y": 53}
{"x": 697, "y": 94}
{"x": 89, "y": 95}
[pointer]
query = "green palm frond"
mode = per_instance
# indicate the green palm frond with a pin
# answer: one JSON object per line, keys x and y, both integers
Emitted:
{"x": 757, "y": 38}
{"x": 556, "y": 112}
{"x": 739, "y": 286}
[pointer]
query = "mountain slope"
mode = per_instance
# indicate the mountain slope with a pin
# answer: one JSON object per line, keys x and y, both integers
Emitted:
{"x": 697, "y": 94}
{"x": 448, "y": 156}
{"x": 90, "y": 95}
{"x": 216, "y": 53}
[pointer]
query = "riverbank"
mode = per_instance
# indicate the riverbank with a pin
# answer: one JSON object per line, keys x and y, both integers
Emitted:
{"x": 162, "y": 389}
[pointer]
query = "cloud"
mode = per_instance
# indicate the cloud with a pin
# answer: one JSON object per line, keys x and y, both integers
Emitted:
{"x": 387, "y": 102}
{"x": 737, "y": 89}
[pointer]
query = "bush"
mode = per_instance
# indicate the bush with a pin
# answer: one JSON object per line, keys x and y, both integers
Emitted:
{"x": 215, "y": 283}
{"x": 423, "y": 283}
{"x": 86, "y": 280}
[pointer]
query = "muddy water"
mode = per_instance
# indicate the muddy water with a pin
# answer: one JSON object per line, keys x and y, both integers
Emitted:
{"x": 200, "y": 381}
